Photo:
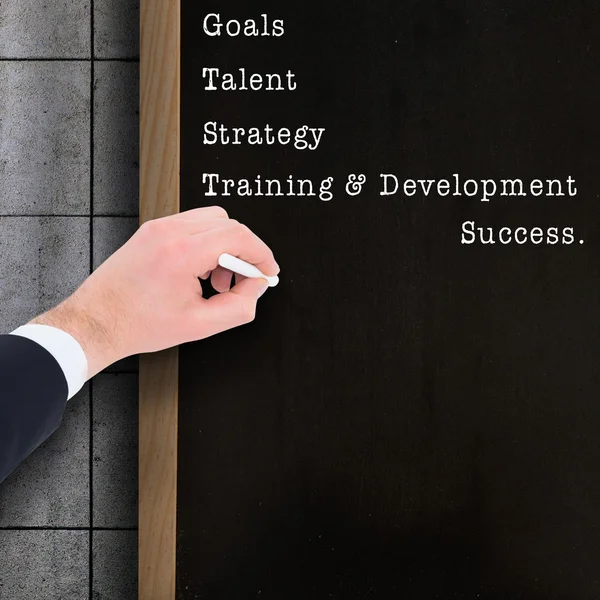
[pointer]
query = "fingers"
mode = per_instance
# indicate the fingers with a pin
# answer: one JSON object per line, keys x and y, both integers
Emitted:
{"x": 213, "y": 233}
{"x": 231, "y": 309}
{"x": 220, "y": 279}
{"x": 202, "y": 214}
{"x": 235, "y": 239}
{"x": 226, "y": 276}
{"x": 185, "y": 224}
{"x": 193, "y": 227}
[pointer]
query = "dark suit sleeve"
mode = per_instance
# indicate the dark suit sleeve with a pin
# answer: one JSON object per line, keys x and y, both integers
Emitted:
{"x": 33, "y": 395}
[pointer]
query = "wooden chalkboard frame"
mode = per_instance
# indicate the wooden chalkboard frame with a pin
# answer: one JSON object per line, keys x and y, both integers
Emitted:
{"x": 486, "y": 376}
{"x": 158, "y": 393}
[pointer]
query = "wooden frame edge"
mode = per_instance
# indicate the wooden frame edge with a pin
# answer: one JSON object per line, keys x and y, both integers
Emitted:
{"x": 158, "y": 394}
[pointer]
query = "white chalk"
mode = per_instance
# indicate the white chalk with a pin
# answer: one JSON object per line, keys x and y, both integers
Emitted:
{"x": 237, "y": 265}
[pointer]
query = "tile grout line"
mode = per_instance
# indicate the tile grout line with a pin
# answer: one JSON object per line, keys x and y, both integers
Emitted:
{"x": 53, "y": 59}
{"x": 67, "y": 216}
{"x": 59, "y": 528}
{"x": 92, "y": 85}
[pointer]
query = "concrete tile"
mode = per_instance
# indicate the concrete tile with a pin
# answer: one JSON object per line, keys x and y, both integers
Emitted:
{"x": 33, "y": 29}
{"x": 51, "y": 488}
{"x": 110, "y": 233}
{"x": 116, "y": 28}
{"x": 115, "y": 458}
{"x": 44, "y": 137}
{"x": 42, "y": 261}
{"x": 44, "y": 565}
{"x": 116, "y": 132}
{"x": 115, "y": 556}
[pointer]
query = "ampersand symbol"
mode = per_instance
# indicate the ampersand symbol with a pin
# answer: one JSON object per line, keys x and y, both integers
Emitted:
{"x": 355, "y": 184}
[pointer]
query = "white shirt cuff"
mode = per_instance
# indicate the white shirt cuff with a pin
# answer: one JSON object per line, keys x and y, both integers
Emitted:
{"x": 64, "y": 348}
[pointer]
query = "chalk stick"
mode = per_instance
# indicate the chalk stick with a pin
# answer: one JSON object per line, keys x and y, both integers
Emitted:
{"x": 241, "y": 267}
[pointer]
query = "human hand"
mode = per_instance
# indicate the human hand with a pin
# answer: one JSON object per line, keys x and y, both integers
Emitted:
{"x": 147, "y": 296}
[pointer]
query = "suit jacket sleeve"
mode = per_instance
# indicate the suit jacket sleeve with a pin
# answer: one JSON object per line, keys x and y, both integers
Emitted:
{"x": 33, "y": 395}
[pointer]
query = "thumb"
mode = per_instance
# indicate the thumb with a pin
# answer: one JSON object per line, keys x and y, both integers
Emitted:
{"x": 235, "y": 307}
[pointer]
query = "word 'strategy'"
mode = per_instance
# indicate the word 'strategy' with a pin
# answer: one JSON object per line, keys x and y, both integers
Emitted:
{"x": 303, "y": 138}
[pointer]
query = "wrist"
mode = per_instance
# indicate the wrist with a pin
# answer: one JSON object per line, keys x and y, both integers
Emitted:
{"x": 91, "y": 331}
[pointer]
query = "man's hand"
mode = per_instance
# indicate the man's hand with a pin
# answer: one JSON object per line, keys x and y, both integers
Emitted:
{"x": 147, "y": 296}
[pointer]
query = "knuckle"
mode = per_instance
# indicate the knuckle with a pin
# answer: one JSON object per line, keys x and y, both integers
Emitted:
{"x": 145, "y": 228}
{"x": 220, "y": 212}
{"x": 155, "y": 227}
{"x": 244, "y": 231}
{"x": 248, "y": 309}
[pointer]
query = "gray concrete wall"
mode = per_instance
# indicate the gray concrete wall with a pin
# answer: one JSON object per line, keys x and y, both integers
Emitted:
{"x": 68, "y": 198}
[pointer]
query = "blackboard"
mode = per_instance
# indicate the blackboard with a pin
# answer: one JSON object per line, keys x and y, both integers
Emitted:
{"x": 411, "y": 415}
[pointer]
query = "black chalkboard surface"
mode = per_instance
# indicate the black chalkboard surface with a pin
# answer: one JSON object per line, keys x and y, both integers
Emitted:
{"x": 414, "y": 413}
